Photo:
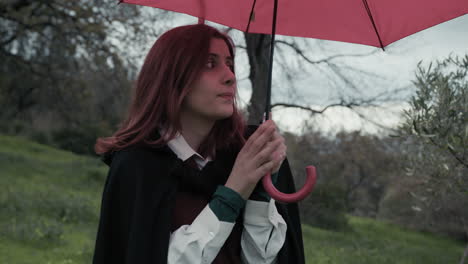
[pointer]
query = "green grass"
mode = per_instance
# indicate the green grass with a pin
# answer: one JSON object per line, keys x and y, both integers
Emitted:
{"x": 50, "y": 201}
{"x": 372, "y": 241}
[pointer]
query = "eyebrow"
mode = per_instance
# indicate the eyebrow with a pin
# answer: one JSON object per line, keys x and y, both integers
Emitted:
{"x": 217, "y": 56}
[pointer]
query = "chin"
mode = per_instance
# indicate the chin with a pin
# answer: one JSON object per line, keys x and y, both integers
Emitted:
{"x": 224, "y": 112}
{"x": 223, "y": 115}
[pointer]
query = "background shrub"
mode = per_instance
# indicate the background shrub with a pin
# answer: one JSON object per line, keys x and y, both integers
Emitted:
{"x": 325, "y": 208}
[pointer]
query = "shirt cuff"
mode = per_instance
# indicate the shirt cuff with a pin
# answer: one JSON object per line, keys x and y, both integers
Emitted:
{"x": 226, "y": 204}
{"x": 264, "y": 232}
{"x": 200, "y": 241}
{"x": 260, "y": 213}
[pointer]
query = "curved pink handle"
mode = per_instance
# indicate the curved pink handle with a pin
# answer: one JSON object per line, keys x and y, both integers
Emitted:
{"x": 291, "y": 197}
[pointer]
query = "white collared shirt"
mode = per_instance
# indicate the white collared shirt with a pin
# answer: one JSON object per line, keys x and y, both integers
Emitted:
{"x": 262, "y": 238}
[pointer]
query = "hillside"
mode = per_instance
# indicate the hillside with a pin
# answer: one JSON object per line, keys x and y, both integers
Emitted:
{"x": 50, "y": 202}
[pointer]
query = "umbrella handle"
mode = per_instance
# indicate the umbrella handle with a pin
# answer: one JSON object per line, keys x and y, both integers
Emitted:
{"x": 291, "y": 197}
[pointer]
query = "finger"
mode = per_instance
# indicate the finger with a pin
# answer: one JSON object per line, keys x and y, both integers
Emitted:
{"x": 279, "y": 139}
{"x": 277, "y": 136}
{"x": 285, "y": 153}
{"x": 265, "y": 168}
{"x": 282, "y": 154}
{"x": 279, "y": 158}
{"x": 267, "y": 153}
{"x": 261, "y": 129}
{"x": 279, "y": 153}
{"x": 278, "y": 143}
{"x": 280, "y": 148}
{"x": 256, "y": 142}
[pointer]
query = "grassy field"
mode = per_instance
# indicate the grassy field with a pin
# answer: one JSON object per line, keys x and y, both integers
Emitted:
{"x": 372, "y": 241}
{"x": 50, "y": 201}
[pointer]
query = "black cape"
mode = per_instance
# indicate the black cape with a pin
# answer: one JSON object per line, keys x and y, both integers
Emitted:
{"x": 138, "y": 198}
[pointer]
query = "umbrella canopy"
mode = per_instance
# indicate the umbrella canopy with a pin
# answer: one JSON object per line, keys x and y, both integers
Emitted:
{"x": 370, "y": 22}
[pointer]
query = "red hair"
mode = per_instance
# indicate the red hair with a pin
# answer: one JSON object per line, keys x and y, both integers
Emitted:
{"x": 170, "y": 68}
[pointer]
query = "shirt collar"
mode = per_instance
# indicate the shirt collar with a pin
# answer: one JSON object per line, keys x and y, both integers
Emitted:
{"x": 183, "y": 150}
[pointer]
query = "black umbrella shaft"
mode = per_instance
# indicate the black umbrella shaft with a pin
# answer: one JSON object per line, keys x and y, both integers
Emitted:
{"x": 270, "y": 70}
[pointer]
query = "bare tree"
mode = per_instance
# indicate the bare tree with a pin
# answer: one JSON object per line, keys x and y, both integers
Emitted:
{"x": 287, "y": 52}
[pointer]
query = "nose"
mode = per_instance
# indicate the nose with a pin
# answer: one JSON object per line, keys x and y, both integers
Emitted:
{"x": 230, "y": 81}
{"x": 229, "y": 77}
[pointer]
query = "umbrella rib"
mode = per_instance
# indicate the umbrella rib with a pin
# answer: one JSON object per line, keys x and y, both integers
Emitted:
{"x": 250, "y": 16}
{"x": 373, "y": 23}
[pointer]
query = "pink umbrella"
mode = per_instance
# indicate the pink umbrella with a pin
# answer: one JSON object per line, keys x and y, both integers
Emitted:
{"x": 370, "y": 22}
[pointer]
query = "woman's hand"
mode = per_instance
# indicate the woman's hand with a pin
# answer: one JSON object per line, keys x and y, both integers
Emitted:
{"x": 263, "y": 153}
{"x": 281, "y": 150}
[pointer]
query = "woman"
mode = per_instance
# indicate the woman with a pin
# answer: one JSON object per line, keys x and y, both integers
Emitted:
{"x": 183, "y": 184}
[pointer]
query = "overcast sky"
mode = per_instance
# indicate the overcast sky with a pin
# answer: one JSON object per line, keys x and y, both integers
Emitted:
{"x": 397, "y": 64}
{"x": 395, "y": 67}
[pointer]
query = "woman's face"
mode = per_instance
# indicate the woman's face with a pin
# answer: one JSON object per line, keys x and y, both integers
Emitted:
{"x": 212, "y": 94}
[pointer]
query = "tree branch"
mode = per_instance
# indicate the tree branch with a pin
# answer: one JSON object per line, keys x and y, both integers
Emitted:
{"x": 342, "y": 103}
{"x": 301, "y": 53}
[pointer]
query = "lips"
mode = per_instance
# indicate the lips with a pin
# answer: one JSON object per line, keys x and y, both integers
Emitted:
{"x": 226, "y": 95}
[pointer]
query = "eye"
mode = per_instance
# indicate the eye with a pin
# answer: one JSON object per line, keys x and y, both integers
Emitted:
{"x": 210, "y": 64}
{"x": 231, "y": 66}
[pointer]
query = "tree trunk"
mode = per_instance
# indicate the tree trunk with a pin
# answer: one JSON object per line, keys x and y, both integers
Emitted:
{"x": 258, "y": 53}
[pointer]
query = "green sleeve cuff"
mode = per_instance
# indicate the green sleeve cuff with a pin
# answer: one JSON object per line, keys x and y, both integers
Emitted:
{"x": 226, "y": 204}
